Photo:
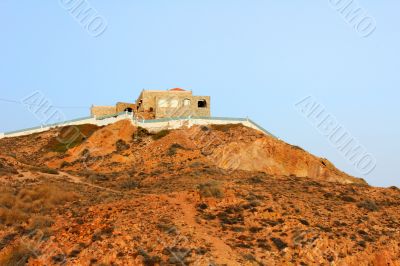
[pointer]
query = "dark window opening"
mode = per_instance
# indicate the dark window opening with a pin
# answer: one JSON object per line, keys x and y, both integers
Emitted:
{"x": 151, "y": 109}
{"x": 202, "y": 104}
{"x": 129, "y": 110}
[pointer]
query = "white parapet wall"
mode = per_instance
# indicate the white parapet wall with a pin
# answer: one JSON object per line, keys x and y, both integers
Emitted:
{"x": 112, "y": 120}
{"x": 176, "y": 123}
{"x": 150, "y": 125}
{"x": 76, "y": 122}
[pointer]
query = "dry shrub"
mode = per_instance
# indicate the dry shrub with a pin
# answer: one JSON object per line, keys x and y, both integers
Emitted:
{"x": 48, "y": 195}
{"x": 48, "y": 170}
{"x": 140, "y": 134}
{"x": 11, "y": 217}
{"x": 174, "y": 148}
{"x": 39, "y": 222}
{"x": 6, "y": 168}
{"x": 143, "y": 133}
{"x": 160, "y": 134}
{"x": 70, "y": 136}
{"x": 225, "y": 128}
{"x": 6, "y": 199}
{"x": 130, "y": 184}
{"x": 211, "y": 189}
{"x": 369, "y": 205}
{"x": 297, "y": 148}
{"x": 98, "y": 178}
{"x": 17, "y": 208}
{"x": 121, "y": 145}
{"x": 16, "y": 255}
{"x": 45, "y": 170}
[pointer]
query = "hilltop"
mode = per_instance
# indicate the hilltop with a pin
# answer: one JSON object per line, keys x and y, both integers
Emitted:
{"x": 218, "y": 194}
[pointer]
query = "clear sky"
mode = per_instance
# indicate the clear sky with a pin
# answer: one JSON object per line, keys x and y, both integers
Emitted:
{"x": 255, "y": 58}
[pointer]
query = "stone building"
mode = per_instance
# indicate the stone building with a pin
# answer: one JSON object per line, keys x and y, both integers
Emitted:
{"x": 153, "y": 104}
{"x": 110, "y": 110}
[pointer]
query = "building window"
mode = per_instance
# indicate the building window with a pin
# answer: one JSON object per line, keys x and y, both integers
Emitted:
{"x": 163, "y": 103}
{"x": 186, "y": 102}
{"x": 174, "y": 103}
{"x": 202, "y": 104}
{"x": 168, "y": 103}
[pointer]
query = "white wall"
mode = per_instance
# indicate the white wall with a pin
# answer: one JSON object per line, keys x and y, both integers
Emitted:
{"x": 92, "y": 121}
{"x": 175, "y": 124}
{"x": 152, "y": 126}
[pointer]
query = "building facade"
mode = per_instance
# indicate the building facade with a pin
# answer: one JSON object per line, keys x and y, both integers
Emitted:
{"x": 154, "y": 104}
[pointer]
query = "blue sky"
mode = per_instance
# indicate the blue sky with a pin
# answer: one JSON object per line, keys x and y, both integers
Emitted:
{"x": 255, "y": 58}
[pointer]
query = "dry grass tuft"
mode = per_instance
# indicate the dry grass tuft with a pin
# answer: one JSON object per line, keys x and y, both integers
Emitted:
{"x": 17, "y": 207}
{"x": 16, "y": 255}
{"x": 70, "y": 136}
{"x": 160, "y": 135}
{"x": 211, "y": 189}
{"x": 6, "y": 168}
{"x": 225, "y": 128}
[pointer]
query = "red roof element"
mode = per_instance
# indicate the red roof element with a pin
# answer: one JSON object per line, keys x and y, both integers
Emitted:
{"x": 177, "y": 89}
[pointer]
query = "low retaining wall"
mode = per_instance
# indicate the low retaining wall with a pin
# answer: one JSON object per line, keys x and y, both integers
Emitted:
{"x": 155, "y": 125}
{"x": 175, "y": 123}
{"x": 99, "y": 121}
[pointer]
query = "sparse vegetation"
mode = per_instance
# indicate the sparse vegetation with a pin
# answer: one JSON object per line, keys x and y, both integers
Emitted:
{"x": 368, "y": 205}
{"x": 17, "y": 255}
{"x": 211, "y": 189}
{"x": 142, "y": 133}
{"x": 31, "y": 203}
{"x": 139, "y": 134}
{"x": 149, "y": 260}
{"x": 46, "y": 170}
{"x": 130, "y": 184}
{"x": 121, "y": 145}
{"x": 184, "y": 209}
{"x": 6, "y": 169}
{"x": 255, "y": 229}
{"x": 160, "y": 134}
{"x": 231, "y": 216}
{"x": 348, "y": 198}
{"x": 167, "y": 226}
{"x": 69, "y": 137}
{"x": 294, "y": 147}
{"x": 173, "y": 149}
{"x": 65, "y": 164}
{"x": 96, "y": 177}
{"x": 304, "y": 222}
{"x": 256, "y": 180}
{"x": 225, "y": 128}
{"x": 279, "y": 243}
{"x": 177, "y": 256}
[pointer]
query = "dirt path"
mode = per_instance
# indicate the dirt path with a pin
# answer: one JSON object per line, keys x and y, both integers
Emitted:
{"x": 221, "y": 250}
{"x": 78, "y": 180}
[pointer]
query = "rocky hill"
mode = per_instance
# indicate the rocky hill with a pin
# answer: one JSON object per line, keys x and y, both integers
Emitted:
{"x": 216, "y": 195}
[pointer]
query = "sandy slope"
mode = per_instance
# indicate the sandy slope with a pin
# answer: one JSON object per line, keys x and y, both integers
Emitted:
{"x": 223, "y": 195}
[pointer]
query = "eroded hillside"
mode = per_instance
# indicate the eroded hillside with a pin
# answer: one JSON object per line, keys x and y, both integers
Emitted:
{"x": 217, "y": 195}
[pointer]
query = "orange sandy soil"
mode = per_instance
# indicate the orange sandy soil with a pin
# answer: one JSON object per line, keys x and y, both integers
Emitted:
{"x": 221, "y": 195}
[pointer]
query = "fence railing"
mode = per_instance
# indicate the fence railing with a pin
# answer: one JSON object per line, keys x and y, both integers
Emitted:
{"x": 22, "y": 130}
{"x": 138, "y": 121}
{"x": 48, "y": 125}
{"x": 110, "y": 116}
{"x": 262, "y": 129}
{"x": 232, "y": 119}
{"x": 167, "y": 119}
